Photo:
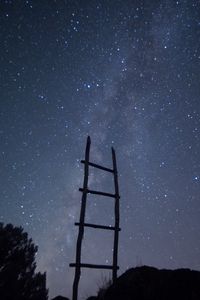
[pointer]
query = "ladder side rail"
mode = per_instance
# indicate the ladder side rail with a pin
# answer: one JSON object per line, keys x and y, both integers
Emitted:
{"x": 117, "y": 217}
{"x": 82, "y": 218}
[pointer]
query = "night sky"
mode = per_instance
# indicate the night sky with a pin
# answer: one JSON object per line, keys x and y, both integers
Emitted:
{"x": 127, "y": 73}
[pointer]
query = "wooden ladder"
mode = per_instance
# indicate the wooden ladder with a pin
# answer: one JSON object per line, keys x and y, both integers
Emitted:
{"x": 85, "y": 191}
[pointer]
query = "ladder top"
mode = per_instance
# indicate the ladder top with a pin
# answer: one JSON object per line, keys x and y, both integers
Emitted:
{"x": 88, "y": 140}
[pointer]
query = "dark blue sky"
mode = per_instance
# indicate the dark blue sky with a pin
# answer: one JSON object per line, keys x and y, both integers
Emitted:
{"x": 128, "y": 74}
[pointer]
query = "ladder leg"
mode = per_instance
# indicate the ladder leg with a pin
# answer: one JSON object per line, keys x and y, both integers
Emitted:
{"x": 116, "y": 234}
{"x": 82, "y": 219}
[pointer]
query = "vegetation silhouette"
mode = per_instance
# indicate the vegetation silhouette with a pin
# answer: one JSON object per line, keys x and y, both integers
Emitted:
{"x": 18, "y": 279}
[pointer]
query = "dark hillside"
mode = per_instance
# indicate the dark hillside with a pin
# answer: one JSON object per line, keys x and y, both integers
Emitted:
{"x": 148, "y": 283}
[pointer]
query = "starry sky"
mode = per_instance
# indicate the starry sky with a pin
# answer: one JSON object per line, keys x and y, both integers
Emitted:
{"x": 127, "y": 73}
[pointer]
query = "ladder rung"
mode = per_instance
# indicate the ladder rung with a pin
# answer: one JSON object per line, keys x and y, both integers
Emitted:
{"x": 92, "y": 266}
{"x": 98, "y": 226}
{"x": 98, "y": 166}
{"x": 98, "y": 193}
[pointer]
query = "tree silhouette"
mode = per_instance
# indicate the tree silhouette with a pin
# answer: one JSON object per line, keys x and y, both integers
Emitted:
{"x": 18, "y": 279}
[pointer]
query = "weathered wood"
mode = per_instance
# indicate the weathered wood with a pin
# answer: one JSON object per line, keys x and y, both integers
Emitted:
{"x": 85, "y": 190}
{"x": 82, "y": 218}
{"x": 98, "y": 166}
{"x": 92, "y": 266}
{"x": 98, "y": 226}
{"x": 97, "y": 193}
{"x": 116, "y": 234}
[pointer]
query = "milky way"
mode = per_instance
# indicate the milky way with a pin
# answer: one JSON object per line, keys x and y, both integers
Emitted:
{"x": 127, "y": 73}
